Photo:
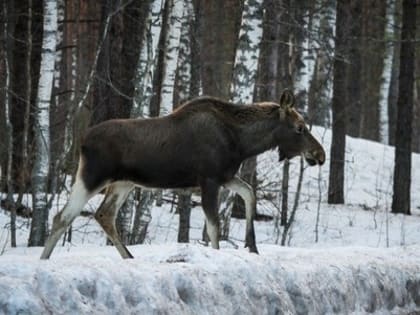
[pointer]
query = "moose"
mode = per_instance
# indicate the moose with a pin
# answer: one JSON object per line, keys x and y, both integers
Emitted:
{"x": 199, "y": 145}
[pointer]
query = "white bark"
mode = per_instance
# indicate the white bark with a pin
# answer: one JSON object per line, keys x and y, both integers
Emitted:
{"x": 246, "y": 59}
{"x": 143, "y": 87}
{"x": 42, "y": 124}
{"x": 171, "y": 57}
{"x": 145, "y": 66}
{"x": 184, "y": 55}
{"x": 56, "y": 80}
{"x": 386, "y": 75}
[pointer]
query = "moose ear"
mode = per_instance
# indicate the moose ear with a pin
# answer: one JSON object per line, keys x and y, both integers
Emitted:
{"x": 287, "y": 99}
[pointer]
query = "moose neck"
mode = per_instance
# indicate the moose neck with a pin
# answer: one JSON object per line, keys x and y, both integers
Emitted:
{"x": 257, "y": 137}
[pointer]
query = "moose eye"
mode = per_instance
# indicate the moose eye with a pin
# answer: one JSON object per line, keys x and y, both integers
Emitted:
{"x": 300, "y": 129}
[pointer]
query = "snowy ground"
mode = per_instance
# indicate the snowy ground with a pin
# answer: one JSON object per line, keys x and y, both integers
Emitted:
{"x": 366, "y": 260}
{"x": 188, "y": 279}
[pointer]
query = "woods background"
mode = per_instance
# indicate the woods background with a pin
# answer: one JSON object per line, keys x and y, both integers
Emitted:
{"x": 69, "y": 64}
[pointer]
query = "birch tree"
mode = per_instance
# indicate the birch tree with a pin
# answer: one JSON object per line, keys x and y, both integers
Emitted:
{"x": 41, "y": 126}
{"x": 161, "y": 102}
{"x": 171, "y": 56}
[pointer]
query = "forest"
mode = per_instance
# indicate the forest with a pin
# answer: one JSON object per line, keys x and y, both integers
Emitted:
{"x": 354, "y": 67}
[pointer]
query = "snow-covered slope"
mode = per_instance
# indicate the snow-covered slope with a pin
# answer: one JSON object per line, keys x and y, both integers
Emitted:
{"x": 190, "y": 279}
{"x": 366, "y": 260}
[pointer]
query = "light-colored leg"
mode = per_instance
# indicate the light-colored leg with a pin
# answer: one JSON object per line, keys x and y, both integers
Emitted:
{"x": 78, "y": 198}
{"x": 209, "y": 201}
{"x": 246, "y": 192}
{"x": 213, "y": 233}
{"x": 115, "y": 196}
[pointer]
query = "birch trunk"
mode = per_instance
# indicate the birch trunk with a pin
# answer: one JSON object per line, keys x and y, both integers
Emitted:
{"x": 171, "y": 57}
{"x": 42, "y": 123}
{"x": 57, "y": 108}
{"x": 143, "y": 78}
{"x": 160, "y": 67}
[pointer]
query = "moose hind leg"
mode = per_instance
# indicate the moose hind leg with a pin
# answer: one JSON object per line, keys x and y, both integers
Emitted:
{"x": 78, "y": 198}
{"x": 115, "y": 196}
{"x": 209, "y": 200}
{"x": 246, "y": 192}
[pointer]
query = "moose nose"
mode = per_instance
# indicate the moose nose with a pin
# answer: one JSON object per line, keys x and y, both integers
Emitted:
{"x": 321, "y": 157}
{"x": 315, "y": 157}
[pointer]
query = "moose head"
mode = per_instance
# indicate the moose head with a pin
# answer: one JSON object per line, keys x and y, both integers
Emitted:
{"x": 294, "y": 137}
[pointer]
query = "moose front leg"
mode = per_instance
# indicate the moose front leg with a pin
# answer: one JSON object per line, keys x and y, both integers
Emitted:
{"x": 246, "y": 192}
{"x": 209, "y": 201}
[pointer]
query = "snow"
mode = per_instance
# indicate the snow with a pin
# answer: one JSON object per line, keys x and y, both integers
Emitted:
{"x": 366, "y": 260}
{"x": 189, "y": 279}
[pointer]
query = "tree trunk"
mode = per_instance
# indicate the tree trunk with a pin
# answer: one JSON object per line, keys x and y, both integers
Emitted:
{"x": 220, "y": 23}
{"x": 354, "y": 70}
{"x": 245, "y": 67}
{"x": 159, "y": 69}
{"x": 395, "y": 69}
{"x": 114, "y": 86}
{"x": 266, "y": 85}
{"x": 416, "y": 116}
{"x": 184, "y": 211}
{"x": 143, "y": 78}
{"x": 182, "y": 90}
{"x": 26, "y": 116}
{"x": 318, "y": 94}
{"x": 171, "y": 57}
{"x": 402, "y": 171}
{"x": 373, "y": 45}
{"x": 9, "y": 126}
{"x": 57, "y": 110}
{"x": 339, "y": 105}
{"x": 42, "y": 140}
{"x": 142, "y": 218}
{"x": 242, "y": 92}
{"x": 134, "y": 22}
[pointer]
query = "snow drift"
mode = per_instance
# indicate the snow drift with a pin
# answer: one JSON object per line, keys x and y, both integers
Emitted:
{"x": 192, "y": 279}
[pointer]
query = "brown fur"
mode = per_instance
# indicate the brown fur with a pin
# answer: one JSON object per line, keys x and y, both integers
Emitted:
{"x": 201, "y": 144}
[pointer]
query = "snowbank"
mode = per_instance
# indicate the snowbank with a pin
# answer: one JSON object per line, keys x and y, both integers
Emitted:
{"x": 192, "y": 279}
